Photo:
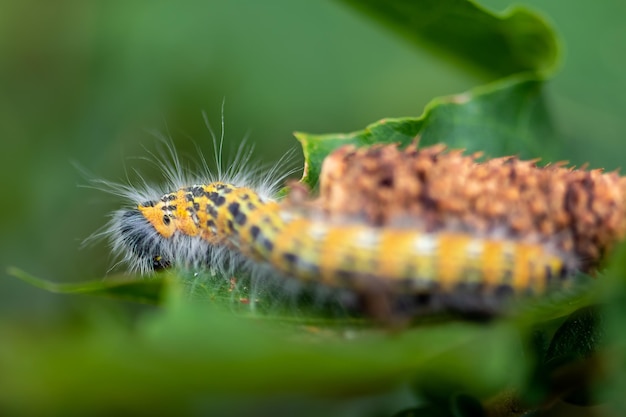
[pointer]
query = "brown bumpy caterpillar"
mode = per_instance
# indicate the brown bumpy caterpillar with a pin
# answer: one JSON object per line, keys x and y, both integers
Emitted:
{"x": 576, "y": 211}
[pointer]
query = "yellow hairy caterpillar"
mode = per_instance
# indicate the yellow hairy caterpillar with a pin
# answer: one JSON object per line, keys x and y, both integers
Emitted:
{"x": 228, "y": 222}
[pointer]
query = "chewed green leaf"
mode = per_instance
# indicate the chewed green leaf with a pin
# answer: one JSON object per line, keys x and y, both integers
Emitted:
{"x": 500, "y": 45}
{"x": 317, "y": 147}
{"x": 132, "y": 289}
{"x": 502, "y": 118}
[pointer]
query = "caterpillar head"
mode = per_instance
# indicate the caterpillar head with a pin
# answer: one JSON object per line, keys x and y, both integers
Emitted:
{"x": 160, "y": 216}
{"x": 141, "y": 243}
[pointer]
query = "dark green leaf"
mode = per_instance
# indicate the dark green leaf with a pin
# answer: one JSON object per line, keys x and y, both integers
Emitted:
{"x": 466, "y": 406}
{"x": 499, "y": 45}
{"x": 571, "y": 359}
{"x": 614, "y": 284}
{"x": 579, "y": 337}
{"x": 144, "y": 290}
{"x": 503, "y": 118}
{"x": 425, "y": 411}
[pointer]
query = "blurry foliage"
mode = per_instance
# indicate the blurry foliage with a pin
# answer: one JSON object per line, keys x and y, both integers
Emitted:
{"x": 80, "y": 80}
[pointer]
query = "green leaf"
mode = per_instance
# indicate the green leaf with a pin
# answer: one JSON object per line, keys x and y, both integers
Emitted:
{"x": 503, "y": 118}
{"x": 614, "y": 285}
{"x": 572, "y": 358}
{"x": 584, "y": 292}
{"x": 143, "y": 290}
{"x": 193, "y": 352}
{"x": 498, "y": 45}
{"x": 580, "y": 336}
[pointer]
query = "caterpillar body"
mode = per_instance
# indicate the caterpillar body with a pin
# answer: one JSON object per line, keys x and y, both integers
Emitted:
{"x": 337, "y": 255}
{"x": 389, "y": 268}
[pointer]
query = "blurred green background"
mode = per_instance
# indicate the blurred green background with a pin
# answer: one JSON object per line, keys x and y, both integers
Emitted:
{"x": 82, "y": 81}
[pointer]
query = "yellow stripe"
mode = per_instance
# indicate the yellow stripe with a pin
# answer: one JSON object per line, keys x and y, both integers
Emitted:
{"x": 337, "y": 246}
{"x": 525, "y": 256}
{"x": 452, "y": 258}
{"x": 492, "y": 262}
{"x": 394, "y": 254}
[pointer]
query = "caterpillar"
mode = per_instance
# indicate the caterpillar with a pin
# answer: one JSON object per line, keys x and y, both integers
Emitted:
{"x": 225, "y": 223}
